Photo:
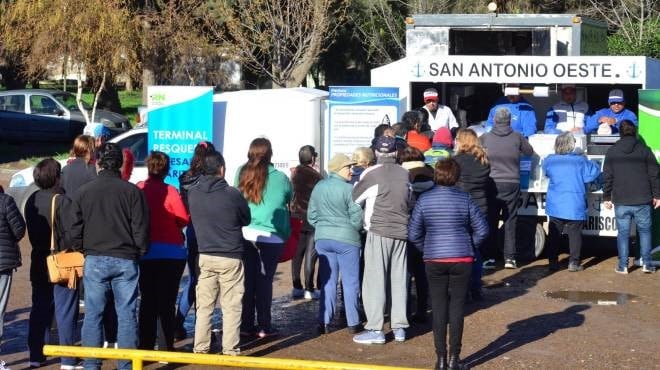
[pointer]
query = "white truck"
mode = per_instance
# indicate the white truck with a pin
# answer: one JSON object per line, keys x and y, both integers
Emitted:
{"x": 471, "y": 59}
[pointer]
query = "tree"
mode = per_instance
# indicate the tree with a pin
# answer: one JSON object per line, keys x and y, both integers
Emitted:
{"x": 281, "y": 39}
{"x": 95, "y": 36}
{"x": 177, "y": 44}
{"x": 635, "y": 25}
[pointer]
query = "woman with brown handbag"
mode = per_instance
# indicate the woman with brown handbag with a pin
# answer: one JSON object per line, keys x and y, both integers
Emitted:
{"x": 48, "y": 298}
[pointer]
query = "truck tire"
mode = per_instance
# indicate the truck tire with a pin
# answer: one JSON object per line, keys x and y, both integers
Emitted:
{"x": 530, "y": 237}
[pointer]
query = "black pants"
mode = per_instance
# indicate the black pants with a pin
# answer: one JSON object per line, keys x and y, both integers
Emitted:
{"x": 159, "y": 286}
{"x": 448, "y": 283}
{"x": 307, "y": 252}
{"x": 505, "y": 207}
{"x": 416, "y": 269}
{"x": 573, "y": 229}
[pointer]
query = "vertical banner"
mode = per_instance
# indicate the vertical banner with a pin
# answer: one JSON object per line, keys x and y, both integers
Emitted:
{"x": 179, "y": 118}
{"x": 355, "y": 111}
{"x": 649, "y": 130}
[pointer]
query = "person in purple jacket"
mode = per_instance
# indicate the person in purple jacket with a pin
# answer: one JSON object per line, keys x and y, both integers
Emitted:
{"x": 447, "y": 226}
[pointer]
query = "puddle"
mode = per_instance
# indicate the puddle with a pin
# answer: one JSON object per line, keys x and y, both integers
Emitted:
{"x": 599, "y": 298}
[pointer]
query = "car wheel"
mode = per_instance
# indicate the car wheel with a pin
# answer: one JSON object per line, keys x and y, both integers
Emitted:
{"x": 530, "y": 237}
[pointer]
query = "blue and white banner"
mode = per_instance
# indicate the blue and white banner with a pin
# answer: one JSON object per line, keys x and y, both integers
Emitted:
{"x": 355, "y": 111}
{"x": 179, "y": 118}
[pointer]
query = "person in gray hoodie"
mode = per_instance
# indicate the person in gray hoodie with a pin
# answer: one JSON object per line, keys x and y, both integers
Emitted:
{"x": 218, "y": 214}
{"x": 504, "y": 148}
{"x": 385, "y": 191}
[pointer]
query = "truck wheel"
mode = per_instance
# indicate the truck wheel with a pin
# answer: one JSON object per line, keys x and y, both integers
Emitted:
{"x": 530, "y": 237}
{"x": 539, "y": 240}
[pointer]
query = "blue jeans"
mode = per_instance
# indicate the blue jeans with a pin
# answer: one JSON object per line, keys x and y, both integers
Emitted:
{"x": 261, "y": 261}
{"x": 66, "y": 315}
{"x": 102, "y": 275}
{"x": 642, "y": 218}
{"x": 336, "y": 257}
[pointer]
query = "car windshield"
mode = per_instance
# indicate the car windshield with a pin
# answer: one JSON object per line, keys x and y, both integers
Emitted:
{"x": 69, "y": 101}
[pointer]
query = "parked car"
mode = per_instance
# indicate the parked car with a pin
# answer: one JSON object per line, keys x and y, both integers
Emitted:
{"x": 49, "y": 115}
{"x": 21, "y": 185}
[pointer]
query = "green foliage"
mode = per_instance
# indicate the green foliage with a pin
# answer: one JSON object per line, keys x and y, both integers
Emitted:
{"x": 648, "y": 45}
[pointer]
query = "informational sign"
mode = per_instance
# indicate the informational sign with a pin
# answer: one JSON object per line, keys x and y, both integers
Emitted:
{"x": 649, "y": 130}
{"x": 355, "y": 111}
{"x": 530, "y": 69}
{"x": 179, "y": 118}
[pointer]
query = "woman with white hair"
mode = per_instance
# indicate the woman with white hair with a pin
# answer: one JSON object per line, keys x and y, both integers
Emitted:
{"x": 566, "y": 204}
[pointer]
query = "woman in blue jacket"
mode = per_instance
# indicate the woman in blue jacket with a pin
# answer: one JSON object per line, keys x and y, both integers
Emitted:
{"x": 447, "y": 226}
{"x": 337, "y": 221}
{"x": 566, "y": 204}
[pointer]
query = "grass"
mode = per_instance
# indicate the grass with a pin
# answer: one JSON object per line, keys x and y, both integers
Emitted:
{"x": 129, "y": 100}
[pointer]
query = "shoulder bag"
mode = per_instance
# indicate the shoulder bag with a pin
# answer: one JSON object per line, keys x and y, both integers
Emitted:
{"x": 65, "y": 266}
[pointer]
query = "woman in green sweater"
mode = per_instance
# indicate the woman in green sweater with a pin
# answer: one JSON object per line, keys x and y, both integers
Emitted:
{"x": 337, "y": 221}
{"x": 268, "y": 192}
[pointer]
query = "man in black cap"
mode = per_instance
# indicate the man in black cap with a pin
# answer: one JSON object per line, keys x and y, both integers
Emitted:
{"x": 111, "y": 226}
{"x": 384, "y": 189}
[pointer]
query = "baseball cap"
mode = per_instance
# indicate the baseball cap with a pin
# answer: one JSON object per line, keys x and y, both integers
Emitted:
{"x": 616, "y": 96}
{"x": 339, "y": 161}
{"x": 101, "y": 131}
{"x": 430, "y": 94}
{"x": 385, "y": 144}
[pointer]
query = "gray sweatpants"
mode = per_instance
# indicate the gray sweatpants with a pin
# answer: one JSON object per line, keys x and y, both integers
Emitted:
{"x": 385, "y": 266}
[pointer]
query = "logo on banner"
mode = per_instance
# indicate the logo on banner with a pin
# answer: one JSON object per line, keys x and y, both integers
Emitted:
{"x": 157, "y": 99}
{"x": 418, "y": 70}
{"x": 634, "y": 71}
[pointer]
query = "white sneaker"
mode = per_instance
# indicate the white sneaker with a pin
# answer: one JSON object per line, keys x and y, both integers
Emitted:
{"x": 3, "y": 367}
{"x": 312, "y": 294}
{"x": 623, "y": 271}
{"x": 648, "y": 269}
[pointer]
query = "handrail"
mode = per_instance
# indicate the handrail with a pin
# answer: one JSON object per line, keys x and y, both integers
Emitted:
{"x": 138, "y": 356}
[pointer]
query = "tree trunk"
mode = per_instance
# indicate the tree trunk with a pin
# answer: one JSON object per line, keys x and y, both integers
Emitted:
{"x": 129, "y": 84}
{"x": 148, "y": 79}
{"x": 97, "y": 95}
{"x": 109, "y": 97}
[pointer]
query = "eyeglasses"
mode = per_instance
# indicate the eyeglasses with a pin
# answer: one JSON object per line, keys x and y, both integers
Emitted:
{"x": 616, "y": 103}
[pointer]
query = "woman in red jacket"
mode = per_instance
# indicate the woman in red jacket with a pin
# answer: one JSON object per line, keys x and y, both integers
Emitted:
{"x": 161, "y": 268}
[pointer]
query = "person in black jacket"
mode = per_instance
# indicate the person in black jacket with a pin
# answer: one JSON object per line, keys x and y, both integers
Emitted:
{"x": 80, "y": 169}
{"x": 219, "y": 213}
{"x": 474, "y": 179}
{"x": 12, "y": 230}
{"x": 111, "y": 226}
{"x": 48, "y": 298}
{"x": 631, "y": 183}
{"x": 187, "y": 180}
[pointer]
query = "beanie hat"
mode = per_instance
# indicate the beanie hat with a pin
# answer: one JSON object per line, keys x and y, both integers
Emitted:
{"x": 443, "y": 137}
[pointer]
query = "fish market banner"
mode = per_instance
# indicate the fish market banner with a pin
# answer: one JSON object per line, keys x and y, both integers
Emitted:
{"x": 529, "y": 69}
{"x": 355, "y": 111}
{"x": 179, "y": 117}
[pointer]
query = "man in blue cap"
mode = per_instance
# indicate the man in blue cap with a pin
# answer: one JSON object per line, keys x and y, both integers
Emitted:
{"x": 607, "y": 120}
{"x": 523, "y": 116}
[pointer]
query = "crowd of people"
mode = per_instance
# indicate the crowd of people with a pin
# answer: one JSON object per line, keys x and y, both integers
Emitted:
{"x": 422, "y": 204}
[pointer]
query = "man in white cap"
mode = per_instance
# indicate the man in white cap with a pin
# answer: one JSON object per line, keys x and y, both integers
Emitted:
{"x": 436, "y": 115}
{"x": 568, "y": 115}
{"x": 607, "y": 120}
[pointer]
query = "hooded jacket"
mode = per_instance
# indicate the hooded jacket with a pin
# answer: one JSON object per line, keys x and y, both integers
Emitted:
{"x": 504, "y": 148}
{"x": 630, "y": 173}
{"x": 568, "y": 174}
{"x": 218, "y": 212}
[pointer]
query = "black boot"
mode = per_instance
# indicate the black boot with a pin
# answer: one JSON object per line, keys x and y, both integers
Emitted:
{"x": 441, "y": 364}
{"x": 455, "y": 363}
